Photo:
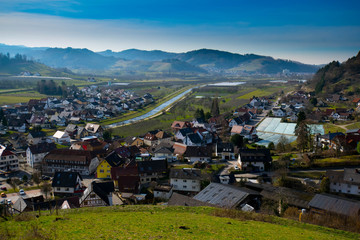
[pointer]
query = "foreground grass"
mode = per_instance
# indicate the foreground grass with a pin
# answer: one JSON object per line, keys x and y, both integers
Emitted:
{"x": 149, "y": 222}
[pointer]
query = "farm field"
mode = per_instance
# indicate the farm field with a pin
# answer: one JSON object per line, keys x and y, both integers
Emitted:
{"x": 149, "y": 222}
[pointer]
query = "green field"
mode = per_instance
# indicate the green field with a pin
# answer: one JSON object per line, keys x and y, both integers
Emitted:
{"x": 160, "y": 222}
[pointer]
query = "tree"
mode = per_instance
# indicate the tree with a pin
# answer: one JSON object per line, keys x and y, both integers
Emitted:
{"x": 301, "y": 117}
{"x": 13, "y": 183}
{"x": 282, "y": 144}
{"x": 215, "y": 111}
{"x": 237, "y": 140}
{"x": 46, "y": 189}
{"x": 36, "y": 178}
{"x": 107, "y": 135}
{"x": 199, "y": 113}
{"x": 271, "y": 146}
{"x": 325, "y": 185}
{"x": 25, "y": 178}
{"x": 358, "y": 147}
{"x": 313, "y": 101}
{"x": 303, "y": 136}
{"x": 4, "y": 121}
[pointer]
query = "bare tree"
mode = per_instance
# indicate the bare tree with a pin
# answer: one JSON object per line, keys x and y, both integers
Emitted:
{"x": 36, "y": 178}
{"x": 46, "y": 189}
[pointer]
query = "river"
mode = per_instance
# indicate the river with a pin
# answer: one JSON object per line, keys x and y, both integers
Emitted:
{"x": 152, "y": 112}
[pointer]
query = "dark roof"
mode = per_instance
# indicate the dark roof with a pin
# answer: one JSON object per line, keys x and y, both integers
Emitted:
{"x": 223, "y": 195}
{"x": 42, "y": 148}
{"x": 70, "y": 128}
{"x": 330, "y": 136}
{"x": 166, "y": 150}
{"x": 335, "y": 204}
{"x": 65, "y": 179}
{"x": 114, "y": 159}
{"x": 70, "y": 155}
{"x": 129, "y": 184}
{"x": 194, "y": 151}
{"x": 182, "y": 200}
{"x": 158, "y": 166}
{"x": 194, "y": 138}
{"x": 238, "y": 121}
{"x": 225, "y": 147}
{"x": 185, "y": 173}
{"x": 103, "y": 189}
{"x": 355, "y": 130}
{"x": 255, "y": 155}
{"x": 38, "y": 134}
{"x": 186, "y": 131}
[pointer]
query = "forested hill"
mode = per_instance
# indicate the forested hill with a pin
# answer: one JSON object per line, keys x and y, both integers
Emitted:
{"x": 338, "y": 77}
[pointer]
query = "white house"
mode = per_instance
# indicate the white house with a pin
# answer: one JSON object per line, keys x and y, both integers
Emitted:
{"x": 67, "y": 183}
{"x": 163, "y": 191}
{"x": 195, "y": 153}
{"x": 61, "y": 137}
{"x": 278, "y": 112}
{"x": 347, "y": 181}
{"x": 8, "y": 160}
{"x": 254, "y": 159}
{"x": 186, "y": 179}
{"x": 36, "y": 153}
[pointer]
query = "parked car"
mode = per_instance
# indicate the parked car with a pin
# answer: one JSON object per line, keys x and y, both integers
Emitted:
{"x": 22, "y": 192}
{"x": 3, "y": 188}
{"x": 3, "y": 195}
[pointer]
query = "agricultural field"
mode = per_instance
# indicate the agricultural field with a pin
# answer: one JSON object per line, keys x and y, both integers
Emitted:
{"x": 150, "y": 222}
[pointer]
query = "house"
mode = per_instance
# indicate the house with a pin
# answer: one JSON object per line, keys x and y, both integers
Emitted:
{"x": 60, "y": 160}
{"x": 195, "y": 153}
{"x": 36, "y": 137}
{"x": 332, "y": 204}
{"x": 163, "y": 191}
{"x": 247, "y": 131}
{"x": 126, "y": 179}
{"x": 182, "y": 133}
{"x": 347, "y": 181}
{"x": 236, "y": 122}
{"x": 177, "y": 125}
{"x": 225, "y": 151}
{"x": 279, "y": 112}
{"x": 36, "y": 153}
{"x": 330, "y": 140}
{"x": 71, "y": 129}
{"x": 193, "y": 139}
{"x": 61, "y": 137}
{"x": 98, "y": 194}
{"x": 113, "y": 159}
{"x": 151, "y": 170}
{"x": 254, "y": 159}
{"x": 227, "y": 196}
{"x": 164, "y": 153}
{"x": 67, "y": 183}
{"x": 9, "y": 162}
{"x": 94, "y": 129}
{"x": 186, "y": 179}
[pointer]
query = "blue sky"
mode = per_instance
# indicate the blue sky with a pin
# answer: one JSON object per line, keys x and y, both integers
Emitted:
{"x": 307, "y": 31}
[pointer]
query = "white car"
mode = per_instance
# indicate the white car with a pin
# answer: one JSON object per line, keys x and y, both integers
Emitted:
{"x": 22, "y": 192}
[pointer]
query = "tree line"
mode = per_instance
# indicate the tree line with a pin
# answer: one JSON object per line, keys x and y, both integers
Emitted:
{"x": 49, "y": 87}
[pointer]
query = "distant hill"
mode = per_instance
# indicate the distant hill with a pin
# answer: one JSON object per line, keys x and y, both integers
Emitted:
{"x": 135, "y": 54}
{"x": 139, "y": 61}
{"x": 19, "y": 64}
{"x": 336, "y": 77}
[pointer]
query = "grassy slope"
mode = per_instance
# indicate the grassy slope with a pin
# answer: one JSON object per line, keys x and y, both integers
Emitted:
{"x": 148, "y": 222}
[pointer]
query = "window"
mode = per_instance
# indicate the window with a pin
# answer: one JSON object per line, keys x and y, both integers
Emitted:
{"x": 184, "y": 186}
{"x": 101, "y": 170}
{"x": 67, "y": 189}
{"x": 58, "y": 189}
{"x": 184, "y": 180}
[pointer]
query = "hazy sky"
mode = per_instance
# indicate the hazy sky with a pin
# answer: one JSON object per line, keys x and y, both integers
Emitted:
{"x": 307, "y": 31}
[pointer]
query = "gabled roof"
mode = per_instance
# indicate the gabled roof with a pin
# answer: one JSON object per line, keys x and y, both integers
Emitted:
{"x": 158, "y": 166}
{"x": 185, "y": 173}
{"x": 71, "y": 128}
{"x": 225, "y": 147}
{"x": 180, "y": 124}
{"x": 330, "y": 136}
{"x": 60, "y": 134}
{"x": 195, "y": 151}
{"x": 42, "y": 148}
{"x": 102, "y": 189}
{"x": 255, "y": 155}
{"x": 335, "y": 204}
{"x": 186, "y": 131}
{"x": 182, "y": 200}
{"x": 114, "y": 159}
{"x": 355, "y": 130}
{"x": 38, "y": 134}
{"x": 194, "y": 138}
{"x": 65, "y": 179}
{"x": 70, "y": 155}
{"x": 223, "y": 195}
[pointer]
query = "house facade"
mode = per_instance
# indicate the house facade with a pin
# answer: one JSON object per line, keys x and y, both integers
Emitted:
{"x": 186, "y": 179}
{"x": 347, "y": 181}
{"x": 9, "y": 162}
{"x": 254, "y": 159}
{"x": 67, "y": 183}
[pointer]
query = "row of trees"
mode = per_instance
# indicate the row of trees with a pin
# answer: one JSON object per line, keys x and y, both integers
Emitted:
{"x": 49, "y": 87}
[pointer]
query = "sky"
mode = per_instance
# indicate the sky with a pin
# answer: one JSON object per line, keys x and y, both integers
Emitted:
{"x": 313, "y": 32}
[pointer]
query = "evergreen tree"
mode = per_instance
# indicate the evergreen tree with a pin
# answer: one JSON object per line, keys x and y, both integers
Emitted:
{"x": 215, "y": 111}
{"x": 303, "y": 135}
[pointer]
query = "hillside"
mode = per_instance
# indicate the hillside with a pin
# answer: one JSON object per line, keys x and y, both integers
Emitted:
{"x": 338, "y": 77}
{"x": 15, "y": 66}
{"x": 140, "y": 61}
{"x": 149, "y": 222}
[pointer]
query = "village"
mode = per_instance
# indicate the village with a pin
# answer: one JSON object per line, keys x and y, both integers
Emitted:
{"x": 220, "y": 161}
